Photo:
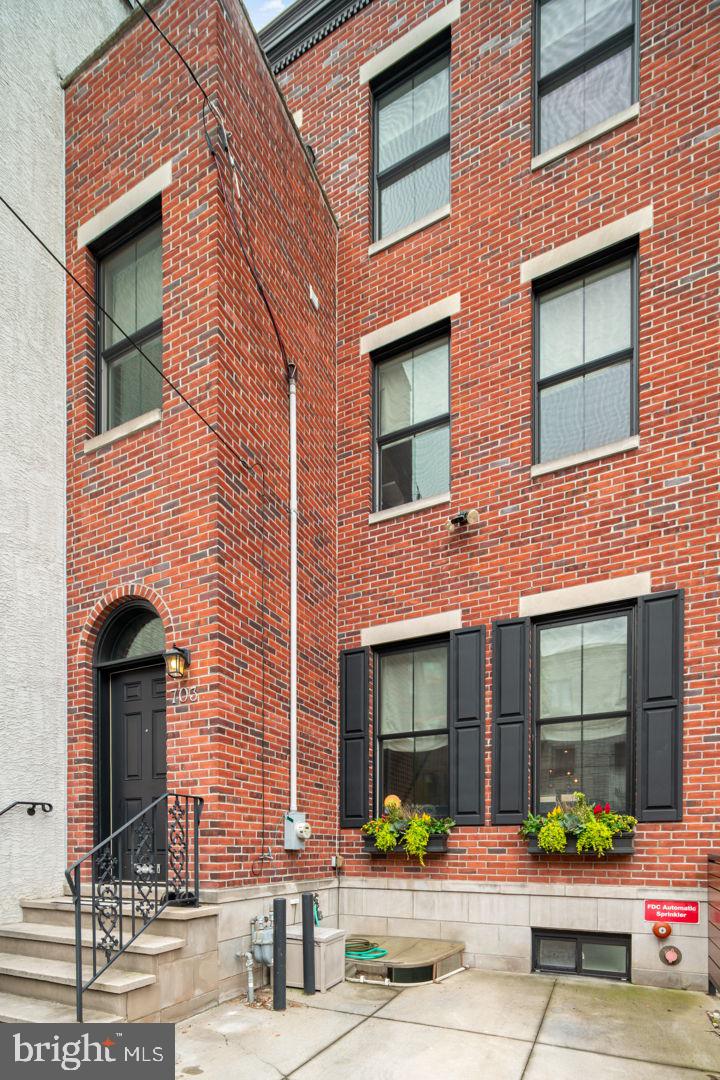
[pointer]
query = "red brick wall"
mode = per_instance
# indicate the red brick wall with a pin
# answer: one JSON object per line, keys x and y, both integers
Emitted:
{"x": 168, "y": 513}
{"x": 654, "y": 509}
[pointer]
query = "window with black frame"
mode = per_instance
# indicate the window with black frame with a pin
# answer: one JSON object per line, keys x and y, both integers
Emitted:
{"x": 412, "y": 725}
{"x": 586, "y": 66}
{"x": 130, "y": 287}
{"x": 604, "y": 956}
{"x": 585, "y": 358}
{"x": 412, "y": 420}
{"x": 582, "y": 704}
{"x": 412, "y": 141}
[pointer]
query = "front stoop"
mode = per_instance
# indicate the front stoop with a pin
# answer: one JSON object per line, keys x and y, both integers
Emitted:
{"x": 169, "y": 973}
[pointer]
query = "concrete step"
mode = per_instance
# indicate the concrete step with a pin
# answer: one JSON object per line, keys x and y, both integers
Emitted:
{"x": 146, "y": 944}
{"x": 54, "y": 980}
{"x": 58, "y": 943}
{"x": 60, "y": 911}
{"x": 127, "y": 888}
{"x": 15, "y": 1009}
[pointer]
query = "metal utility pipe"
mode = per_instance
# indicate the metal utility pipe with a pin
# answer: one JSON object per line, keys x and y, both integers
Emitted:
{"x": 250, "y": 980}
{"x": 279, "y": 953}
{"x": 292, "y": 389}
{"x": 308, "y": 942}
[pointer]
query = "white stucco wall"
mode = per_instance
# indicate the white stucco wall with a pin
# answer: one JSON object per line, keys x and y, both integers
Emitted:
{"x": 40, "y": 43}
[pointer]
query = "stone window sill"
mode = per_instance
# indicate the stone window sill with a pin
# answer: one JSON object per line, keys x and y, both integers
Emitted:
{"x": 632, "y": 443}
{"x": 410, "y": 230}
{"x": 138, "y": 423}
{"x": 408, "y": 508}
{"x": 586, "y": 136}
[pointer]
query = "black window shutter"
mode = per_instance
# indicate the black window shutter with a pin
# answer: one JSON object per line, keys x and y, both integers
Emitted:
{"x": 660, "y": 683}
{"x": 511, "y": 661}
{"x": 354, "y": 738}
{"x": 467, "y": 725}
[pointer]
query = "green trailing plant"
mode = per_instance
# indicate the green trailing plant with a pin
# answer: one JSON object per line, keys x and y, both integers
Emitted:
{"x": 385, "y": 836}
{"x": 593, "y": 827}
{"x": 406, "y": 827}
{"x": 595, "y": 836}
{"x": 416, "y": 837}
{"x": 551, "y": 836}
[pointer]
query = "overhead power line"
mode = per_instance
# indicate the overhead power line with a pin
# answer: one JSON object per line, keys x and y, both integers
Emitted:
{"x": 290, "y": 367}
{"x": 248, "y": 256}
{"x": 225, "y": 136}
{"x": 182, "y": 59}
{"x": 128, "y": 337}
{"x": 243, "y": 461}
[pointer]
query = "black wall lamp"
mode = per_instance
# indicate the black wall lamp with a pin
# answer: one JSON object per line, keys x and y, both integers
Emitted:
{"x": 177, "y": 661}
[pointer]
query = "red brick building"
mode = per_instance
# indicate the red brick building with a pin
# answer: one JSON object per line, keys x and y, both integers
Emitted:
{"x": 527, "y": 327}
{"x": 477, "y": 245}
{"x": 178, "y": 492}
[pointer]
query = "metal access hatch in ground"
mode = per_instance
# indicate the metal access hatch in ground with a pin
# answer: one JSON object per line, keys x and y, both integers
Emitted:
{"x": 401, "y": 961}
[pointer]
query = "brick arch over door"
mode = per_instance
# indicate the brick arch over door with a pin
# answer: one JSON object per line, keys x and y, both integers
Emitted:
{"x": 109, "y": 603}
{"x": 81, "y": 758}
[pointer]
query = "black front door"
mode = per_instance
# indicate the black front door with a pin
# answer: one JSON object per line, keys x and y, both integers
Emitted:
{"x": 138, "y": 772}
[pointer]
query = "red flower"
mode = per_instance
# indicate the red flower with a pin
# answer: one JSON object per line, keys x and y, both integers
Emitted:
{"x": 597, "y": 809}
{"x": 607, "y": 807}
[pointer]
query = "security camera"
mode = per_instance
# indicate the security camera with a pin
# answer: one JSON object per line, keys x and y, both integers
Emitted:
{"x": 464, "y": 517}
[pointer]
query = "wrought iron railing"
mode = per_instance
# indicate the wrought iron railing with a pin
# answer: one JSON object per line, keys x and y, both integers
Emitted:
{"x": 32, "y": 806}
{"x": 130, "y": 878}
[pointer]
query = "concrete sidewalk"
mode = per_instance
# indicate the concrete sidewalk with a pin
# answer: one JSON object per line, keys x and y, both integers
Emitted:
{"x": 475, "y": 1026}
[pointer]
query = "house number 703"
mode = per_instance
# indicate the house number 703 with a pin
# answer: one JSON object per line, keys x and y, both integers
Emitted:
{"x": 182, "y": 694}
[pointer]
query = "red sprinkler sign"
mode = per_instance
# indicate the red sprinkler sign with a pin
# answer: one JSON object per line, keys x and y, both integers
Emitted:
{"x": 671, "y": 911}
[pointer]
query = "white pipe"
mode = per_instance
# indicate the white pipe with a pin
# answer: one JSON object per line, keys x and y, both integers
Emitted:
{"x": 250, "y": 980}
{"x": 292, "y": 386}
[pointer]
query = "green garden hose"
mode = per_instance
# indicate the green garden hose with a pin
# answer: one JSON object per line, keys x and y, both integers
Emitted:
{"x": 361, "y": 949}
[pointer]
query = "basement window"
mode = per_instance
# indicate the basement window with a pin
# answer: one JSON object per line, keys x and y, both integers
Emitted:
{"x": 605, "y": 956}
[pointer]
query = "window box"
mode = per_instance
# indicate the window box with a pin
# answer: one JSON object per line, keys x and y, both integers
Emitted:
{"x": 622, "y": 845}
{"x": 437, "y": 845}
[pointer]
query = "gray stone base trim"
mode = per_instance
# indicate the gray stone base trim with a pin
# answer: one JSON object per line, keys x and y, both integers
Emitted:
{"x": 237, "y": 907}
{"x": 495, "y": 920}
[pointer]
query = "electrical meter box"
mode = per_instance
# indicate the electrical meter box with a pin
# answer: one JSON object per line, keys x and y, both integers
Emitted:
{"x": 297, "y": 830}
{"x": 329, "y": 957}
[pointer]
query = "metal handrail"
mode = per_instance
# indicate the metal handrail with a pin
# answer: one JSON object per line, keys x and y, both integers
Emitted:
{"x": 46, "y": 807}
{"x": 131, "y": 858}
{"x": 131, "y": 821}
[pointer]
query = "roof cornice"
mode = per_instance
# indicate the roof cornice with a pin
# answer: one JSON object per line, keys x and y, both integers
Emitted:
{"x": 302, "y": 25}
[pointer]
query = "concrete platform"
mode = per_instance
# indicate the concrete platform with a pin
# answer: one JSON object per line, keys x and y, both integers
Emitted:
{"x": 405, "y": 955}
{"x": 477, "y": 1026}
